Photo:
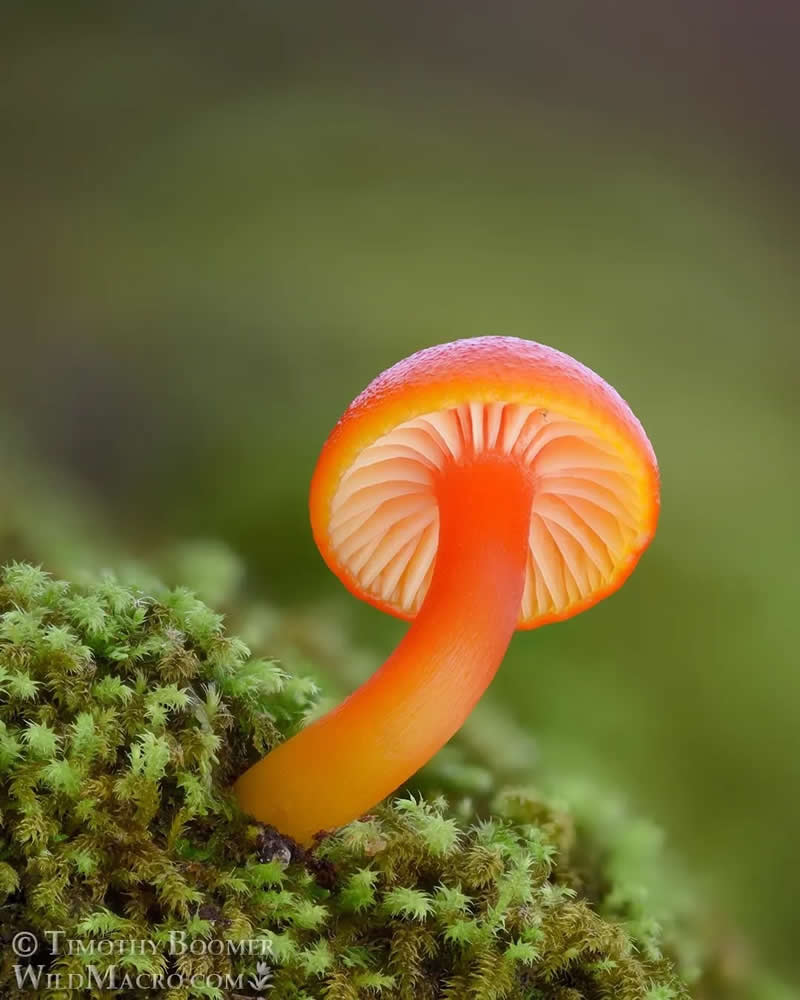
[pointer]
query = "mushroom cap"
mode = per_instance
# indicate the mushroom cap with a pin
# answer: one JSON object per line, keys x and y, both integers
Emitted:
{"x": 374, "y": 512}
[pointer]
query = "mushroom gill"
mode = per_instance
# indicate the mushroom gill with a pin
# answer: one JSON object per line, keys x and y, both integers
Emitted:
{"x": 384, "y": 521}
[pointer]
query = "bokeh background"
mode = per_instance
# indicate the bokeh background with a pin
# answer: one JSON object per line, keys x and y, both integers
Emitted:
{"x": 219, "y": 222}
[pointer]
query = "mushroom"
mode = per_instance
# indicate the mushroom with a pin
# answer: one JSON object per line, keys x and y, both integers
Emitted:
{"x": 474, "y": 488}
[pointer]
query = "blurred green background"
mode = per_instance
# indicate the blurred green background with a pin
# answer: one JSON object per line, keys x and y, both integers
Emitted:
{"x": 220, "y": 222}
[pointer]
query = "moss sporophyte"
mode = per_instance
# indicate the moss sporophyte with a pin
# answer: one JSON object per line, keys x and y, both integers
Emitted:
{"x": 475, "y": 487}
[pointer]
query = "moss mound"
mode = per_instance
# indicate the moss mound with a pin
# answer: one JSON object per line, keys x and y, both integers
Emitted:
{"x": 124, "y": 717}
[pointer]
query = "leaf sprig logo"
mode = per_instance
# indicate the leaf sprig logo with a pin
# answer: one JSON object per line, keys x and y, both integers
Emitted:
{"x": 262, "y": 980}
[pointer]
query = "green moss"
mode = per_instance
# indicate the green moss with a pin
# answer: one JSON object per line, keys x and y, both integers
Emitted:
{"x": 125, "y": 716}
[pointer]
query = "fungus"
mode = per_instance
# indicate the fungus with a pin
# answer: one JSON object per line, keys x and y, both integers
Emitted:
{"x": 474, "y": 488}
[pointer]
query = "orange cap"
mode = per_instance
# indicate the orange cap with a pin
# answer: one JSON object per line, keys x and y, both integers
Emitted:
{"x": 373, "y": 502}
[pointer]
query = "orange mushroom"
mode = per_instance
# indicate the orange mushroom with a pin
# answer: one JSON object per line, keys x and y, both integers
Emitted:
{"x": 474, "y": 488}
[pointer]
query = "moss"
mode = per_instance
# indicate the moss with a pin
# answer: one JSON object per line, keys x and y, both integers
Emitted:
{"x": 126, "y": 714}
{"x": 124, "y": 718}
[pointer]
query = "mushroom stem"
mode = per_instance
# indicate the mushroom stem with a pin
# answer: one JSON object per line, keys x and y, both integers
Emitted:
{"x": 344, "y": 763}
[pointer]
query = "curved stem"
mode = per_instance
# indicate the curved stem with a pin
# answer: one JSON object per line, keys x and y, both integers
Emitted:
{"x": 344, "y": 763}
